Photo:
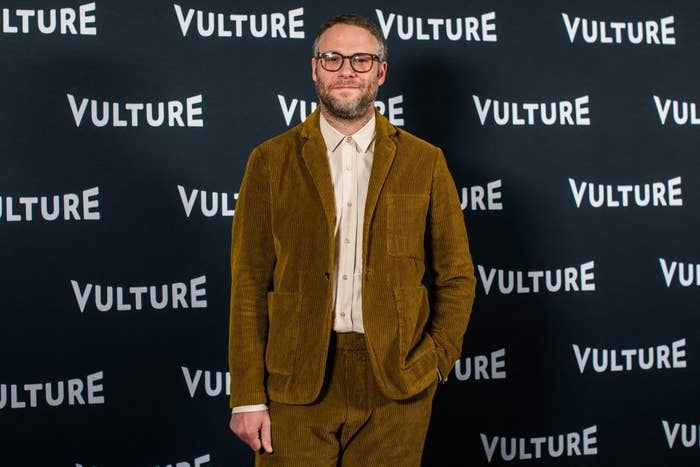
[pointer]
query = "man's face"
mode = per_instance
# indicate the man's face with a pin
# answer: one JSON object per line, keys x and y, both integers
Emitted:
{"x": 347, "y": 94}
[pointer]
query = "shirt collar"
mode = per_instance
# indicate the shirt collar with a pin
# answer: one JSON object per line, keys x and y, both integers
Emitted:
{"x": 363, "y": 137}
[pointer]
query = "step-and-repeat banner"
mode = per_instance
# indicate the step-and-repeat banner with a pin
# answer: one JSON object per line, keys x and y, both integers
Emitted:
{"x": 571, "y": 129}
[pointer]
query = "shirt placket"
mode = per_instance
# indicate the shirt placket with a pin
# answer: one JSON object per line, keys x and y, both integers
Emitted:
{"x": 348, "y": 232}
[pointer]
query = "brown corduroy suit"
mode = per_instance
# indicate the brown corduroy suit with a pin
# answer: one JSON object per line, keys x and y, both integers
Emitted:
{"x": 282, "y": 258}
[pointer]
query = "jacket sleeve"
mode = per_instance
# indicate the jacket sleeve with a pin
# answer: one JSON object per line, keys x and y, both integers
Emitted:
{"x": 252, "y": 266}
{"x": 451, "y": 267}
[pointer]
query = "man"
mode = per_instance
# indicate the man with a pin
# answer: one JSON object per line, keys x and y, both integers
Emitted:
{"x": 335, "y": 347}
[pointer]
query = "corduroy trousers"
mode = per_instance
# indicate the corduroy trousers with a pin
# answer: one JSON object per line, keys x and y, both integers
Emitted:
{"x": 352, "y": 424}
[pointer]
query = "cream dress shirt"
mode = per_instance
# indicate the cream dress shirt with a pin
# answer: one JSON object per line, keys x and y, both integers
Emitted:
{"x": 350, "y": 158}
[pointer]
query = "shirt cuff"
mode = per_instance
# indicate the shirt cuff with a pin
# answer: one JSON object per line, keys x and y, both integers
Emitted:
{"x": 249, "y": 408}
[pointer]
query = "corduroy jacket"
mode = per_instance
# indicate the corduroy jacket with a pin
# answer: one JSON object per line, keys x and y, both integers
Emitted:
{"x": 282, "y": 258}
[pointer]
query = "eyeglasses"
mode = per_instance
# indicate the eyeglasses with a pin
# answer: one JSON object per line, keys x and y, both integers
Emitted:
{"x": 333, "y": 61}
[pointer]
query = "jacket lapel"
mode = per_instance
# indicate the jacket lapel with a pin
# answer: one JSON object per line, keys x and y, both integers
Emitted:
{"x": 384, "y": 152}
{"x": 313, "y": 151}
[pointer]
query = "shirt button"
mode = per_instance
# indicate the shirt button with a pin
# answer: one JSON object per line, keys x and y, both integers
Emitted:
{"x": 345, "y": 276}
{"x": 347, "y": 240}
{"x": 348, "y": 140}
{"x": 349, "y": 204}
{"x": 342, "y": 314}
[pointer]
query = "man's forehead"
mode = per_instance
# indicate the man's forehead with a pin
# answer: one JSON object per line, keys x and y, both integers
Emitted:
{"x": 348, "y": 36}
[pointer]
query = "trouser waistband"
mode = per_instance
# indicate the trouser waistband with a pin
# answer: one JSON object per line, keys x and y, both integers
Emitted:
{"x": 349, "y": 340}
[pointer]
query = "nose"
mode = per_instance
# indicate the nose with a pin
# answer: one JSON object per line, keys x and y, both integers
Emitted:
{"x": 346, "y": 68}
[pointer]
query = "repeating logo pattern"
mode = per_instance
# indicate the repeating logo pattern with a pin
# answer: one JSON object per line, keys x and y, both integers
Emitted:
{"x": 571, "y": 135}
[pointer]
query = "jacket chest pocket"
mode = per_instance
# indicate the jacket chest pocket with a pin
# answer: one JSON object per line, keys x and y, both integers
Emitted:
{"x": 406, "y": 220}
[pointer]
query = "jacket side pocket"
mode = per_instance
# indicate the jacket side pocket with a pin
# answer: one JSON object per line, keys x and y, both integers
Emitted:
{"x": 283, "y": 330}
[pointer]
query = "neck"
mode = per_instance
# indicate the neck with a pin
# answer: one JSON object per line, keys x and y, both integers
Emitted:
{"x": 347, "y": 127}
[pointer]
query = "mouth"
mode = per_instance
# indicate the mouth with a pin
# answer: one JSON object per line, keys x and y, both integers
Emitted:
{"x": 346, "y": 86}
{"x": 346, "y": 91}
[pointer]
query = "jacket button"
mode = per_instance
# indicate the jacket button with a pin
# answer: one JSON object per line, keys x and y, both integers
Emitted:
{"x": 326, "y": 276}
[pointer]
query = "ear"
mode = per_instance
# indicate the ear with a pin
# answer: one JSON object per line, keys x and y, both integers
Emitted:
{"x": 313, "y": 69}
{"x": 381, "y": 74}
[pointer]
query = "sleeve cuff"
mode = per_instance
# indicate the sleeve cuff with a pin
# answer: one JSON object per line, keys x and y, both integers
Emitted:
{"x": 249, "y": 408}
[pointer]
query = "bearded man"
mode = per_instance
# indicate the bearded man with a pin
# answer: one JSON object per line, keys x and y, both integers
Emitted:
{"x": 336, "y": 346}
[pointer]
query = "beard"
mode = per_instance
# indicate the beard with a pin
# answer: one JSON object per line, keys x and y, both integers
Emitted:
{"x": 347, "y": 110}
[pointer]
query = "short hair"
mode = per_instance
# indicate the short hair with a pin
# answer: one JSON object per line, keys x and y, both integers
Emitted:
{"x": 354, "y": 20}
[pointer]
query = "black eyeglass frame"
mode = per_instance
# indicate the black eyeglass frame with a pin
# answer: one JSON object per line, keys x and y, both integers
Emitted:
{"x": 321, "y": 55}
